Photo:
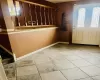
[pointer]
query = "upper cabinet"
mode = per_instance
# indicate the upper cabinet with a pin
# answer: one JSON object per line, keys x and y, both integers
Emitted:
{"x": 31, "y": 14}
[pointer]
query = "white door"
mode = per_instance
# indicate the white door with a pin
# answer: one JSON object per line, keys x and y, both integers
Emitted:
{"x": 86, "y": 21}
{"x": 89, "y": 36}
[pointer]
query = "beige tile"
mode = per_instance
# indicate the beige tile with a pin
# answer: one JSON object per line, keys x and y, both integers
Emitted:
{"x": 95, "y": 60}
{"x": 74, "y": 74}
{"x": 81, "y": 62}
{"x": 87, "y": 79}
{"x": 91, "y": 70}
{"x": 98, "y": 66}
{"x": 9, "y": 66}
{"x": 46, "y": 67}
{"x": 63, "y": 64}
{"x": 41, "y": 59}
{"x": 56, "y": 57}
{"x": 96, "y": 78}
{"x": 26, "y": 70}
{"x": 57, "y": 75}
{"x": 12, "y": 78}
{"x": 10, "y": 72}
{"x": 85, "y": 55}
{"x": 67, "y": 53}
{"x": 96, "y": 54}
{"x": 29, "y": 77}
{"x": 25, "y": 63}
{"x": 71, "y": 58}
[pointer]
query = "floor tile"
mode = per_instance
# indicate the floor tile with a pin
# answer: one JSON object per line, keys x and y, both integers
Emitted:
{"x": 67, "y": 53}
{"x": 40, "y": 60}
{"x": 9, "y": 66}
{"x": 71, "y": 58}
{"x": 74, "y": 74}
{"x": 95, "y": 61}
{"x": 26, "y": 70}
{"x": 29, "y": 77}
{"x": 81, "y": 62}
{"x": 96, "y": 78}
{"x": 46, "y": 67}
{"x": 96, "y": 54}
{"x": 12, "y": 78}
{"x": 57, "y": 75}
{"x": 97, "y": 66}
{"x": 56, "y": 57}
{"x": 87, "y": 79}
{"x": 63, "y": 64}
{"x": 85, "y": 54}
{"x": 91, "y": 70}
{"x": 10, "y": 72}
{"x": 25, "y": 63}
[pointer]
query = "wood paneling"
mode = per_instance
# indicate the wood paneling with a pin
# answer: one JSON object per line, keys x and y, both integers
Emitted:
{"x": 47, "y": 16}
{"x": 54, "y": 16}
{"x": 4, "y": 41}
{"x": 50, "y": 16}
{"x": 2, "y": 22}
{"x": 67, "y": 8}
{"x": 33, "y": 14}
{"x": 43, "y": 15}
{"x": 38, "y": 15}
{"x": 25, "y": 42}
{"x": 21, "y": 17}
{"x": 27, "y": 12}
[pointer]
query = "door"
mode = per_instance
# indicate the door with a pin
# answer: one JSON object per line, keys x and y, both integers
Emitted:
{"x": 86, "y": 22}
{"x": 89, "y": 36}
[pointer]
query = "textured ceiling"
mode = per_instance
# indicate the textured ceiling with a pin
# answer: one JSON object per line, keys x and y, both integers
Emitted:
{"x": 59, "y": 1}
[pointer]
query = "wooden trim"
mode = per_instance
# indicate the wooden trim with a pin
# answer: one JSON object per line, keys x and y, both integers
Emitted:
{"x": 64, "y": 42}
{"x": 27, "y": 30}
{"x": 35, "y": 3}
{"x": 7, "y": 30}
{"x": 6, "y": 50}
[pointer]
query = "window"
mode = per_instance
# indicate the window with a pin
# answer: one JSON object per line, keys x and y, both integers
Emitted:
{"x": 95, "y": 17}
{"x": 87, "y": 15}
{"x": 81, "y": 17}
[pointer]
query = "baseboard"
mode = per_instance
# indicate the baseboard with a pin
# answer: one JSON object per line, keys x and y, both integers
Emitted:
{"x": 64, "y": 42}
{"x": 40, "y": 50}
{"x": 36, "y": 51}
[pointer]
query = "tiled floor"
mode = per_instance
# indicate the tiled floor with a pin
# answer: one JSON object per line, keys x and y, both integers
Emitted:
{"x": 61, "y": 62}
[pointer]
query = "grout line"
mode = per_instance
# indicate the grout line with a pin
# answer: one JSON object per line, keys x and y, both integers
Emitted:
{"x": 58, "y": 69}
{"x": 38, "y": 70}
{"x": 78, "y": 68}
